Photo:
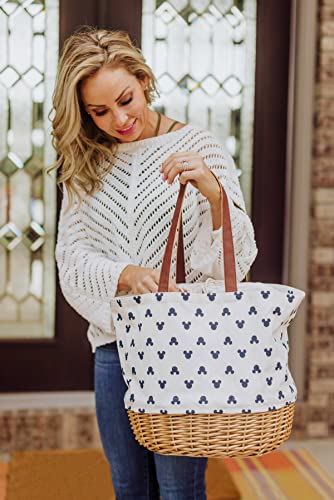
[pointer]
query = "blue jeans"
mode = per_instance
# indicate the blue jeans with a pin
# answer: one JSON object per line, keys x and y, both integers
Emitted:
{"x": 138, "y": 473}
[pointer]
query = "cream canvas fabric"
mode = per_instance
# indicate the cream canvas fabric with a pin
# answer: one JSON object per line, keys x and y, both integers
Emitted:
{"x": 205, "y": 350}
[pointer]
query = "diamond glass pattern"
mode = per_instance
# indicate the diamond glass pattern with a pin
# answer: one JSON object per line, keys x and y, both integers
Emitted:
{"x": 10, "y": 236}
{"x": 28, "y": 39}
{"x": 202, "y": 53}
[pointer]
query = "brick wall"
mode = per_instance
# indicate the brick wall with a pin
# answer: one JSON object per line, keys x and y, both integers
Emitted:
{"x": 315, "y": 418}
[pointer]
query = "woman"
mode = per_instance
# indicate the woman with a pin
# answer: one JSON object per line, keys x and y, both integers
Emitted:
{"x": 120, "y": 163}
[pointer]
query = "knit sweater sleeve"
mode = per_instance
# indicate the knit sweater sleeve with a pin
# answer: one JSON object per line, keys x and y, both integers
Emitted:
{"x": 88, "y": 278}
{"x": 206, "y": 255}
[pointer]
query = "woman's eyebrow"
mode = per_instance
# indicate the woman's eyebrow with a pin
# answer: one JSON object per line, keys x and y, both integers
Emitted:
{"x": 101, "y": 105}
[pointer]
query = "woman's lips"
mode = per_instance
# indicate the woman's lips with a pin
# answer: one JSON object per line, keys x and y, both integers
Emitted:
{"x": 129, "y": 130}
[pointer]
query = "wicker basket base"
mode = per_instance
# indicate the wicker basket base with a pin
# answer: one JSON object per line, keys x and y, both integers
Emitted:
{"x": 213, "y": 435}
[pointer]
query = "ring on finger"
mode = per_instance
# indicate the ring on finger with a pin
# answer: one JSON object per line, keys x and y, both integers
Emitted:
{"x": 185, "y": 164}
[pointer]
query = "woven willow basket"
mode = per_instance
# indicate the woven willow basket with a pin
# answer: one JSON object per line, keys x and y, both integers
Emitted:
{"x": 245, "y": 435}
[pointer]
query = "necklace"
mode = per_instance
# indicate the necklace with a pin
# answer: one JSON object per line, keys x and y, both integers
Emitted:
{"x": 158, "y": 124}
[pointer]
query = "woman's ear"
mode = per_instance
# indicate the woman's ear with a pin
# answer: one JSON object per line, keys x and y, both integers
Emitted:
{"x": 144, "y": 82}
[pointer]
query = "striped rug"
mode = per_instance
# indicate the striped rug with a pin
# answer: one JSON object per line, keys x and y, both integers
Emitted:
{"x": 289, "y": 474}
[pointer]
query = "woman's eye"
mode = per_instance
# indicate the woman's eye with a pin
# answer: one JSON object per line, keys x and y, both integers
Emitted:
{"x": 127, "y": 102}
{"x": 100, "y": 113}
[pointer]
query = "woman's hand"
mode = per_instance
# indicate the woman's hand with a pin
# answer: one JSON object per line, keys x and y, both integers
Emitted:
{"x": 197, "y": 173}
{"x": 138, "y": 280}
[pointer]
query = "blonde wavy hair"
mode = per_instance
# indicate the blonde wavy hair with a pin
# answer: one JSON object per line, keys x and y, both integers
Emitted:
{"x": 81, "y": 146}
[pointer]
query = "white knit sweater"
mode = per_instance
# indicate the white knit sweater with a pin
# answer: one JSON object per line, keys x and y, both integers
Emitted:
{"x": 128, "y": 220}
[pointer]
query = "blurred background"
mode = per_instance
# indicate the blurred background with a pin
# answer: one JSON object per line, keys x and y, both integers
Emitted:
{"x": 260, "y": 75}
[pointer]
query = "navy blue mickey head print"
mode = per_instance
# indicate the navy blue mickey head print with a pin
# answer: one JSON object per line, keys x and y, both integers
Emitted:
{"x": 229, "y": 370}
{"x": 242, "y": 352}
{"x": 186, "y": 324}
{"x": 211, "y": 296}
{"x": 172, "y": 311}
{"x": 199, "y": 312}
{"x": 216, "y": 383}
{"x": 213, "y": 354}
{"x": 137, "y": 299}
{"x": 203, "y": 400}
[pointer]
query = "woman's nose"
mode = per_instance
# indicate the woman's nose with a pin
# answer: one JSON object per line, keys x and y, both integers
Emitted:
{"x": 121, "y": 120}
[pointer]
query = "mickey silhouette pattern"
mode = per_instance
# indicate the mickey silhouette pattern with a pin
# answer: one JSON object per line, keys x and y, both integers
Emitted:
{"x": 187, "y": 353}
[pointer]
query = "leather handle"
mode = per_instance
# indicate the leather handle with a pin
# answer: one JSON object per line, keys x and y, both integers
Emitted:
{"x": 227, "y": 244}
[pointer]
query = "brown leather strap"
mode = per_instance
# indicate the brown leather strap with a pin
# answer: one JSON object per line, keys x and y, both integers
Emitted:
{"x": 227, "y": 242}
{"x": 180, "y": 262}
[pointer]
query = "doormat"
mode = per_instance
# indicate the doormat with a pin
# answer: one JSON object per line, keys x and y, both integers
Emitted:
{"x": 84, "y": 475}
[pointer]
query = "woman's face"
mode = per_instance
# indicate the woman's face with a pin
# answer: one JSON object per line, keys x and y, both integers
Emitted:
{"x": 115, "y": 100}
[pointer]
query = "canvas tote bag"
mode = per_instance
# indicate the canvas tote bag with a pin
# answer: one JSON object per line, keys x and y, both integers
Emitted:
{"x": 214, "y": 354}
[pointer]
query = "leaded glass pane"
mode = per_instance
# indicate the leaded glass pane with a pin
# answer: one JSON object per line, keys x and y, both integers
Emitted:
{"x": 203, "y": 55}
{"x": 28, "y": 63}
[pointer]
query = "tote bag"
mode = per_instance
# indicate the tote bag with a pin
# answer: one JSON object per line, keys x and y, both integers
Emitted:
{"x": 221, "y": 347}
